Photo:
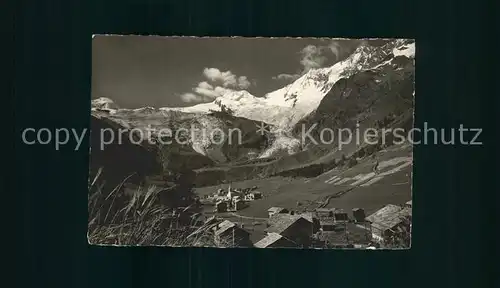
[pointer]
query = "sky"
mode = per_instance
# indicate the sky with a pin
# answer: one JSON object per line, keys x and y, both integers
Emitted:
{"x": 138, "y": 71}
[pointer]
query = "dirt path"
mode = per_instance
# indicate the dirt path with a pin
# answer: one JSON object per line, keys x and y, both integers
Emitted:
{"x": 336, "y": 195}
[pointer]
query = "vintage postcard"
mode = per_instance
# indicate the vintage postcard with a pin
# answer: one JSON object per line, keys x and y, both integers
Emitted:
{"x": 251, "y": 142}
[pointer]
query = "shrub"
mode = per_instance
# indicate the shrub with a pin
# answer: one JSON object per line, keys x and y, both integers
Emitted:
{"x": 342, "y": 160}
{"x": 140, "y": 221}
{"x": 361, "y": 152}
{"x": 352, "y": 162}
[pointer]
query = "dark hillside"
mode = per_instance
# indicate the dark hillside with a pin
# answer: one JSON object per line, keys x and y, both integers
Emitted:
{"x": 119, "y": 160}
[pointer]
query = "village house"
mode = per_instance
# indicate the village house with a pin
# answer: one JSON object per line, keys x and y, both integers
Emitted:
{"x": 344, "y": 234}
{"x": 229, "y": 234}
{"x": 311, "y": 217}
{"x": 328, "y": 224}
{"x": 387, "y": 220}
{"x": 276, "y": 210}
{"x": 335, "y": 213}
{"x": 231, "y": 193}
{"x": 324, "y": 212}
{"x": 294, "y": 227}
{"x": 340, "y": 215}
{"x": 331, "y": 218}
{"x": 254, "y": 196}
{"x": 358, "y": 214}
{"x": 326, "y": 218}
{"x": 275, "y": 240}
{"x": 221, "y": 206}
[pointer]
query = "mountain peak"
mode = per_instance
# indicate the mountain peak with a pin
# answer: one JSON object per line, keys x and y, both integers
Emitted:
{"x": 288, "y": 105}
{"x": 103, "y": 103}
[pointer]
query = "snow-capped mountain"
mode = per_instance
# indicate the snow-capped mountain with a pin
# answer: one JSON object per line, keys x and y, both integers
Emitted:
{"x": 104, "y": 103}
{"x": 288, "y": 105}
{"x": 107, "y": 105}
{"x": 282, "y": 109}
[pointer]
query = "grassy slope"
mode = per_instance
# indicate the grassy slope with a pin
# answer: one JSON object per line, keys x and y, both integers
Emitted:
{"x": 283, "y": 191}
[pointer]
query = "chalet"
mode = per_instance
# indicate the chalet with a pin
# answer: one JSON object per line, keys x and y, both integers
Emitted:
{"x": 294, "y": 227}
{"x": 387, "y": 220}
{"x": 328, "y": 224}
{"x": 221, "y": 207}
{"x": 228, "y": 234}
{"x": 275, "y": 240}
{"x": 330, "y": 218}
{"x": 276, "y": 210}
{"x": 358, "y": 214}
{"x": 340, "y": 215}
{"x": 311, "y": 217}
{"x": 324, "y": 212}
{"x": 349, "y": 234}
{"x": 255, "y": 195}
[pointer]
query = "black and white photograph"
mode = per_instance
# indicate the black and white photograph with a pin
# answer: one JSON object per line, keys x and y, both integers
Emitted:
{"x": 233, "y": 142}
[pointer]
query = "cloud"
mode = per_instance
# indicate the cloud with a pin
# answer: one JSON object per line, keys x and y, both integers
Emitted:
{"x": 341, "y": 48}
{"x": 313, "y": 57}
{"x": 190, "y": 98}
{"x": 211, "y": 93}
{"x": 226, "y": 79}
{"x": 205, "y": 85}
{"x": 336, "y": 49}
{"x": 205, "y": 89}
{"x": 318, "y": 56}
{"x": 222, "y": 82}
{"x": 243, "y": 82}
{"x": 286, "y": 77}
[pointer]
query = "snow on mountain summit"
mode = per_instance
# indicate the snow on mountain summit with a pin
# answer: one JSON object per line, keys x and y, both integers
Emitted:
{"x": 405, "y": 50}
{"x": 286, "y": 106}
{"x": 305, "y": 94}
{"x": 104, "y": 103}
{"x": 283, "y": 107}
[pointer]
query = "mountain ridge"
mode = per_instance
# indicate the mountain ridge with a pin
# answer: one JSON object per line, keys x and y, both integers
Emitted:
{"x": 286, "y": 106}
{"x": 282, "y": 109}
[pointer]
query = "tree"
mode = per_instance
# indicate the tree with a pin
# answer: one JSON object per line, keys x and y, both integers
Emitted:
{"x": 164, "y": 152}
{"x": 164, "y": 159}
{"x": 352, "y": 162}
{"x": 342, "y": 160}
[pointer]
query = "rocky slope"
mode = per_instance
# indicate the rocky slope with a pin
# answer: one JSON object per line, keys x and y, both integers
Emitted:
{"x": 214, "y": 137}
{"x": 381, "y": 86}
{"x": 118, "y": 159}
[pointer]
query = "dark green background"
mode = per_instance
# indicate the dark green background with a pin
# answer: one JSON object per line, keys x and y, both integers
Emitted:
{"x": 52, "y": 89}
